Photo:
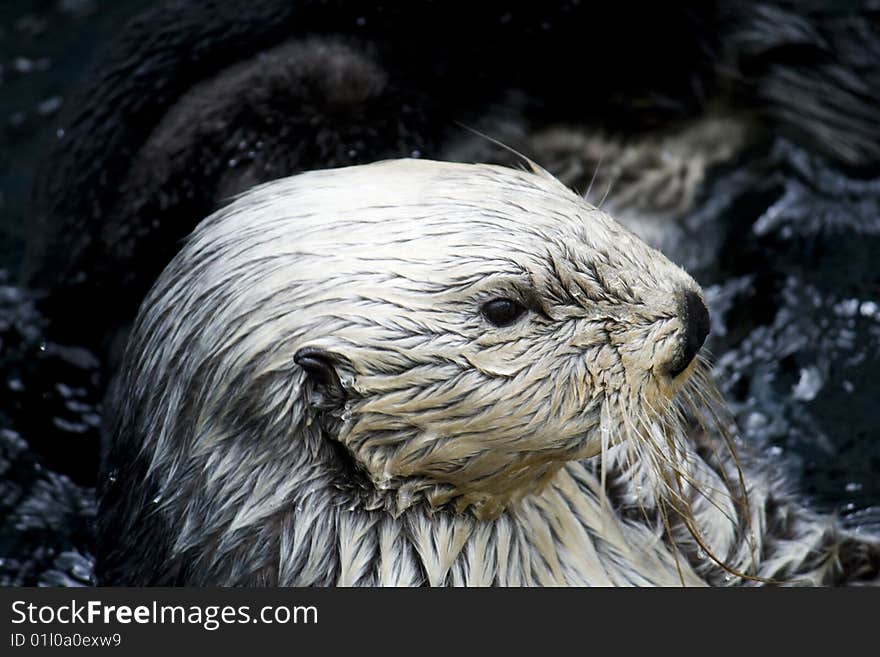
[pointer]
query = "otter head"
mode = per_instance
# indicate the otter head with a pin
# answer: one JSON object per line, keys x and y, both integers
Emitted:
{"x": 456, "y": 332}
{"x": 476, "y": 327}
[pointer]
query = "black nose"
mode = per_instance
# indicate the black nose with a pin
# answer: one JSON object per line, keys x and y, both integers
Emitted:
{"x": 695, "y": 322}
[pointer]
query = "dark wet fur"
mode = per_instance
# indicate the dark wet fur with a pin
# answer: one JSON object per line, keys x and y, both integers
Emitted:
{"x": 109, "y": 216}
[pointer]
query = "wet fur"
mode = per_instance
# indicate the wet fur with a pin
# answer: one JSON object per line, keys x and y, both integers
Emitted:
{"x": 187, "y": 88}
{"x": 547, "y": 453}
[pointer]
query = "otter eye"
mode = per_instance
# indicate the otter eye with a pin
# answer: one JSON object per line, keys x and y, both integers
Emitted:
{"x": 502, "y": 312}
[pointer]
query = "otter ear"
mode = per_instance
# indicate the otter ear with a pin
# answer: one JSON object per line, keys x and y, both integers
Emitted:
{"x": 321, "y": 371}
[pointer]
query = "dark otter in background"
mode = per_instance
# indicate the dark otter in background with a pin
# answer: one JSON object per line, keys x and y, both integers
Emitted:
{"x": 151, "y": 143}
{"x": 195, "y": 101}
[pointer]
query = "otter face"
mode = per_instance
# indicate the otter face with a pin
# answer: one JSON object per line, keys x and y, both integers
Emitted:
{"x": 463, "y": 330}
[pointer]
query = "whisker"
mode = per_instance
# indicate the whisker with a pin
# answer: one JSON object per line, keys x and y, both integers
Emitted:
{"x": 660, "y": 440}
{"x": 593, "y": 179}
{"x": 611, "y": 182}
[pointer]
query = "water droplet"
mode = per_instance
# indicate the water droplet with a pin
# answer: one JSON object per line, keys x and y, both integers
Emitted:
{"x": 416, "y": 153}
{"x": 60, "y": 133}
{"x": 81, "y": 571}
{"x": 49, "y": 106}
{"x": 809, "y": 384}
{"x": 847, "y": 307}
{"x": 64, "y": 390}
{"x": 701, "y": 554}
{"x": 157, "y": 499}
{"x": 853, "y": 487}
{"x": 22, "y": 65}
{"x": 756, "y": 421}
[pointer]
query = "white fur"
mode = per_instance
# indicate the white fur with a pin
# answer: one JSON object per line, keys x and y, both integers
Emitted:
{"x": 553, "y": 451}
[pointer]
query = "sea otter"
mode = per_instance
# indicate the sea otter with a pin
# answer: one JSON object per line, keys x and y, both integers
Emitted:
{"x": 424, "y": 373}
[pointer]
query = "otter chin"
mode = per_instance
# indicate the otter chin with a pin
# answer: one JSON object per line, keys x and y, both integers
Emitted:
{"x": 416, "y": 372}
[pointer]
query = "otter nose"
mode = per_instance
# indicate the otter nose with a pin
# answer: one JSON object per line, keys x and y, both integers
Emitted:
{"x": 695, "y": 322}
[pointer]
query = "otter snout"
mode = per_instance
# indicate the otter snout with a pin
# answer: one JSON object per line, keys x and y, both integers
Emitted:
{"x": 695, "y": 327}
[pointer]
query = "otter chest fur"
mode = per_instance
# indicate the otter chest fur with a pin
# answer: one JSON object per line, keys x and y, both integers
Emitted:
{"x": 417, "y": 372}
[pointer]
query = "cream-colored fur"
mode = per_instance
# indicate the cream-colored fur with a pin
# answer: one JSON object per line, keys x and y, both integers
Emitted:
{"x": 553, "y": 451}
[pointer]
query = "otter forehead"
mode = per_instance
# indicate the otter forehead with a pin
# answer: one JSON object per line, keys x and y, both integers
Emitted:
{"x": 419, "y": 219}
{"x": 404, "y": 255}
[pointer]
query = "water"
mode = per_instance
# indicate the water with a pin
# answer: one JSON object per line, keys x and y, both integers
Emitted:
{"x": 796, "y": 293}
